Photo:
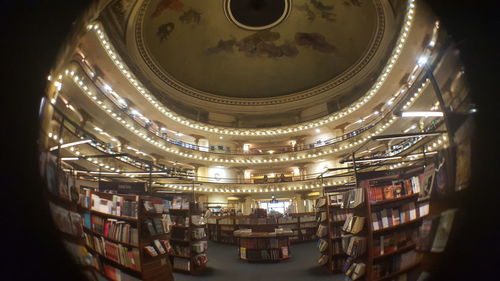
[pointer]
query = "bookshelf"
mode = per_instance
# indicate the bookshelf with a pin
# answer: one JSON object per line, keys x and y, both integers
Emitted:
{"x": 303, "y": 225}
{"x": 342, "y": 231}
{"x": 107, "y": 241}
{"x": 188, "y": 237}
{"x": 130, "y": 234}
{"x": 395, "y": 210}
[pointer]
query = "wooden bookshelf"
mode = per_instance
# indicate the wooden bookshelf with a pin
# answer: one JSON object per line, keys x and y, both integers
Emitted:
{"x": 188, "y": 241}
{"x": 151, "y": 267}
{"x": 217, "y": 233}
{"x": 401, "y": 229}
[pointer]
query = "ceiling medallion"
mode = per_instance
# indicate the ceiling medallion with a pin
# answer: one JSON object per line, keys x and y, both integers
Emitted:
{"x": 256, "y": 14}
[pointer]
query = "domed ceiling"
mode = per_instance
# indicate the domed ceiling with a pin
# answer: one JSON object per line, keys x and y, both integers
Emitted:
{"x": 256, "y": 48}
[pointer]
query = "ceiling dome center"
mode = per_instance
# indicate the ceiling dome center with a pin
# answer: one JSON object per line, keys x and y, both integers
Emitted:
{"x": 256, "y": 14}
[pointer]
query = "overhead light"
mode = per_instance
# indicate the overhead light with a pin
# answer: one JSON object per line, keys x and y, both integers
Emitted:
{"x": 421, "y": 114}
{"x": 70, "y": 144}
{"x": 221, "y": 137}
{"x": 472, "y": 110}
{"x": 317, "y": 131}
{"x": 69, "y": 158}
{"x": 422, "y": 60}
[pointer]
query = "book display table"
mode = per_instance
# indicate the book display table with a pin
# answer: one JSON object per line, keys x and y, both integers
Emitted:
{"x": 263, "y": 246}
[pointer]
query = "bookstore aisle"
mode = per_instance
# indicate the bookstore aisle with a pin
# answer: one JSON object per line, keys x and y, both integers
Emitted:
{"x": 225, "y": 265}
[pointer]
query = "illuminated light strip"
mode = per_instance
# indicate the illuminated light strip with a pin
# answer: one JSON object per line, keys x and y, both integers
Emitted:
{"x": 69, "y": 144}
{"x": 81, "y": 84}
{"x": 70, "y": 158}
{"x": 402, "y": 38}
{"x": 421, "y": 114}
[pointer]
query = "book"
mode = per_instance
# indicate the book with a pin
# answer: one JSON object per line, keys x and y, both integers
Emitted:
{"x": 375, "y": 222}
{"x": 151, "y": 251}
{"x": 388, "y": 192}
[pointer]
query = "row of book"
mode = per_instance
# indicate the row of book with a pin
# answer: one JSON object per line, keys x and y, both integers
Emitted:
{"x": 394, "y": 264}
{"x": 115, "y": 252}
{"x": 352, "y": 198}
{"x": 385, "y": 244}
{"x": 159, "y": 247}
{"x": 265, "y": 243}
{"x": 384, "y": 190}
{"x": 356, "y": 246}
{"x": 388, "y": 217}
{"x": 117, "y": 230}
{"x": 353, "y": 224}
{"x": 158, "y": 206}
{"x": 157, "y": 226}
{"x": 67, "y": 221}
{"x": 270, "y": 255}
{"x": 117, "y": 206}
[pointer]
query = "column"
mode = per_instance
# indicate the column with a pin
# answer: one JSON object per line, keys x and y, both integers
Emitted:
{"x": 247, "y": 206}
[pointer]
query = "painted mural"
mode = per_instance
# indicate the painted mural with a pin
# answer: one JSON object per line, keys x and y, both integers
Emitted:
{"x": 197, "y": 45}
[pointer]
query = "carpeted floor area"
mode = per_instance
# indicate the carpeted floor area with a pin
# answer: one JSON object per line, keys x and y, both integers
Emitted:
{"x": 224, "y": 265}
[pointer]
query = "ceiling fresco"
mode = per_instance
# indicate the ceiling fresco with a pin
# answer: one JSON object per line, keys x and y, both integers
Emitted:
{"x": 195, "y": 44}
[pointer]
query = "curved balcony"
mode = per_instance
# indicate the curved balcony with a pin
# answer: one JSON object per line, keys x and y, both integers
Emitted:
{"x": 151, "y": 127}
